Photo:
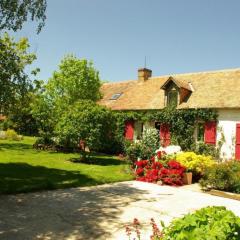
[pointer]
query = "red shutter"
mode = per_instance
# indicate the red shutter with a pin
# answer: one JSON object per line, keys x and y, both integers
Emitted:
{"x": 237, "y": 150}
{"x": 210, "y": 132}
{"x": 165, "y": 136}
{"x": 129, "y": 130}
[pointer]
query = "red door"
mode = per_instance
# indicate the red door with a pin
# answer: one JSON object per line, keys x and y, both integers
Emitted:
{"x": 165, "y": 136}
{"x": 129, "y": 130}
{"x": 237, "y": 150}
{"x": 210, "y": 132}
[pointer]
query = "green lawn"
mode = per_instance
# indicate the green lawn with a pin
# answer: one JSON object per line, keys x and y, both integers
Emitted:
{"x": 24, "y": 169}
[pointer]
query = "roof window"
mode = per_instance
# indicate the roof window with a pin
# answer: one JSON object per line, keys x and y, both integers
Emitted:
{"x": 115, "y": 96}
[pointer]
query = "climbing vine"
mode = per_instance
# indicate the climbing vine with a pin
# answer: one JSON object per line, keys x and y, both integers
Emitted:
{"x": 182, "y": 122}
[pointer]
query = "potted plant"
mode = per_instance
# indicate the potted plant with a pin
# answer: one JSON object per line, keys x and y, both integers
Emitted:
{"x": 187, "y": 178}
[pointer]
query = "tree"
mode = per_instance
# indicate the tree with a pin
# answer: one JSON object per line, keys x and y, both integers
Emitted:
{"x": 75, "y": 80}
{"x": 88, "y": 122}
{"x": 13, "y": 13}
{"x": 14, "y": 82}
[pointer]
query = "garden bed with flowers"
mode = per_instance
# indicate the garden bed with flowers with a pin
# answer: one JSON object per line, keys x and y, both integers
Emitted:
{"x": 160, "y": 170}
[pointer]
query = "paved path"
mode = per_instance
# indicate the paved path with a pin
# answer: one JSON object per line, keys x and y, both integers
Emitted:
{"x": 97, "y": 212}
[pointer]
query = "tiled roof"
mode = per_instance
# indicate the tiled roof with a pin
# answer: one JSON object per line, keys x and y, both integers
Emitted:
{"x": 216, "y": 89}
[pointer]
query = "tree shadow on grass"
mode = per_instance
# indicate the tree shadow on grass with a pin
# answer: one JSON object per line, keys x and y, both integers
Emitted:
{"x": 78, "y": 213}
{"x": 15, "y": 146}
{"x": 22, "y": 177}
{"x": 101, "y": 161}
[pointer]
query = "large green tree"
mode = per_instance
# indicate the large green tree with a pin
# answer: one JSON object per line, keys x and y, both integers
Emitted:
{"x": 14, "y": 13}
{"x": 76, "y": 79}
{"x": 14, "y": 82}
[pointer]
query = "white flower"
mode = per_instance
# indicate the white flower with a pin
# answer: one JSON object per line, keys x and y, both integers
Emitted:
{"x": 172, "y": 149}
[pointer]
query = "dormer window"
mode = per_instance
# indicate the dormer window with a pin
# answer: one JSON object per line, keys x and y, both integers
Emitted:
{"x": 172, "y": 98}
{"x": 176, "y": 92}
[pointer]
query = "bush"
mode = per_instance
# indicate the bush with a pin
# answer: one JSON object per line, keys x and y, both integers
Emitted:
{"x": 206, "y": 149}
{"x": 144, "y": 148}
{"x": 150, "y": 142}
{"x": 45, "y": 142}
{"x": 210, "y": 223}
{"x": 205, "y": 224}
{"x": 3, "y": 135}
{"x": 223, "y": 176}
{"x": 133, "y": 150}
{"x": 193, "y": 162}
{"x": 10, "y": 134}
{"x": 88, "y": 122}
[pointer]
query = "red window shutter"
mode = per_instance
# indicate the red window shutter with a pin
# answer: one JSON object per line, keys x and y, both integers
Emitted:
{"x": 237, "y": 150}
{"x": 129, "y": 130}
{"x": 165, "y": 136}
{"x": 210, "y": 132}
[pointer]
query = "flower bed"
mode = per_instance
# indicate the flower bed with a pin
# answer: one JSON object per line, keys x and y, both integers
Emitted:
{"x": 156, "y": 170}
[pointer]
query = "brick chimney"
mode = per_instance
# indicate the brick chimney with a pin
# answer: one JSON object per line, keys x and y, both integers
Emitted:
{"x": 144, "y": 74}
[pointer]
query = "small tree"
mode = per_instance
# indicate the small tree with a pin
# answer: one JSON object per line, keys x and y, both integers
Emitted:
{"x": 86, "y": 122}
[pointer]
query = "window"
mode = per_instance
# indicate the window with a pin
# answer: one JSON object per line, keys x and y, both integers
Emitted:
{"x": 172, "y": 98}
{"x": 200, "y": 132}
{"x": 115, "y": 96}
{"x": 138, "y": 130}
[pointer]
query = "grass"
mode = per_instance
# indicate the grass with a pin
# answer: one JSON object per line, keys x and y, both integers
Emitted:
{"x": 24, "y": 169}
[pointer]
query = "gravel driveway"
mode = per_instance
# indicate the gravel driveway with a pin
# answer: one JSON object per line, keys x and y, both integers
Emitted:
{"x": 99, "y": 212}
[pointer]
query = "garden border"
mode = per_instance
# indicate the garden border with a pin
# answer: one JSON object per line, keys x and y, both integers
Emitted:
{"x": 230, "y": 195}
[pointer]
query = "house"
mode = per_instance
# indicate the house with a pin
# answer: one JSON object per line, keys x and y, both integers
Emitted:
{"x": 219, "y": 90}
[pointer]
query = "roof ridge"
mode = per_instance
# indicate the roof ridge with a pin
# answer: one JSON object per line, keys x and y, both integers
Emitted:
{"x": 193, "y": 73}
{"x": 124, "y": 81}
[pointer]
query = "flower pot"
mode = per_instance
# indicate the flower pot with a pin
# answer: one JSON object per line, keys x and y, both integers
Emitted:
{"x": 187, "y": 178}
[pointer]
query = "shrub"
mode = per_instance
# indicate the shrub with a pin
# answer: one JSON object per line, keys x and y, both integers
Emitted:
{"x": 150, "y": 142}
{"x": 88, "y": 122}
{"x": 3, "y": 135}
{"x": 206, "y": 149}
{"x": 223, "y": 176}
{"x": 193, "y": 162}
{"x": 144, "y": 148}
{"x": 45, "y": 142}
{"x": 133, "y": 150}
{"x": 10, "y": 134}
{"x": 210, "y": 223}
{"x": 205, "y": 224}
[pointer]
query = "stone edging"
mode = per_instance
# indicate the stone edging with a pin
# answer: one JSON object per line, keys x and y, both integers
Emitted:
{"x": 218, "y": 193}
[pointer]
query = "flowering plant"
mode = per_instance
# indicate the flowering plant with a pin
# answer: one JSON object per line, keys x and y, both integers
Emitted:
{"x": 154, "y": 170}
{"x": 194, "y": 162}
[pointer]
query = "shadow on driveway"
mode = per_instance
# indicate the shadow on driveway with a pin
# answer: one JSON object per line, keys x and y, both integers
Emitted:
{"x": 80, "y": 213}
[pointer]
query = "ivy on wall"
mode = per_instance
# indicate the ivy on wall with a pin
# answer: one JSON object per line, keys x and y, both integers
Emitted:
{"x": 182, "y": 122}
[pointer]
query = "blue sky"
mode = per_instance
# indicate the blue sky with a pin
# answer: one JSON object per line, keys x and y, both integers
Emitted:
{"x": 176, "y": 36}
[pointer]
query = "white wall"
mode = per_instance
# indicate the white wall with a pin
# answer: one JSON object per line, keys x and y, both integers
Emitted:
{"x": 227, "y": 121}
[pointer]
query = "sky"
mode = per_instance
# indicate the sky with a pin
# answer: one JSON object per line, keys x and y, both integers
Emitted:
{"x": 176, "y": 36}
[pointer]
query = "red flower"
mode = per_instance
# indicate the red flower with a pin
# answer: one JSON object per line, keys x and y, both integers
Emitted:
{"x": 157, "y": 165}
{"x": 159, "y": 154}
{"x": 152, "y": 159}
{"x": 164, "y": 171}
{"x": 140, "y": 171}
{"x": 141, "y": 163}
